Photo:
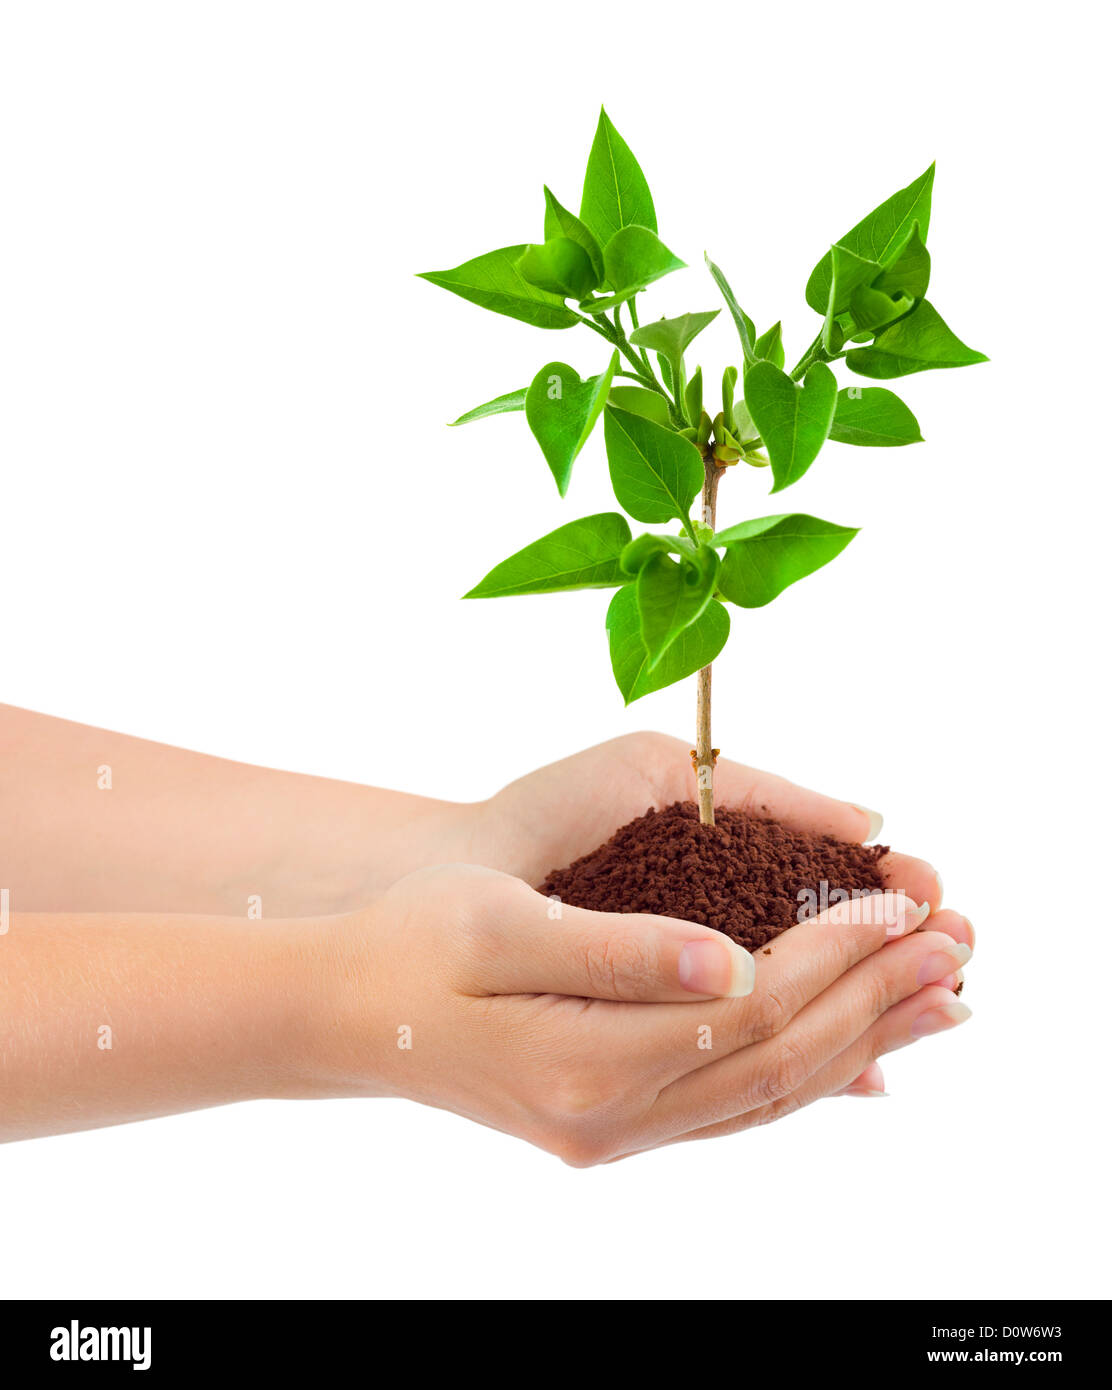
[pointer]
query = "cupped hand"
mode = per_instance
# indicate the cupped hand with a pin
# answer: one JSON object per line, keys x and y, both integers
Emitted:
{"x": 550, "y": 817}
{"x": 598, "y": 1035}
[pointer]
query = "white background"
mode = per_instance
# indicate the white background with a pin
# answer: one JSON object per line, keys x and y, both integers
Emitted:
{"x": 232, "y": 518}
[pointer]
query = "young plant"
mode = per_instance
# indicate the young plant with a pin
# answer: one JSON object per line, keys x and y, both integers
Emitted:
{"x": 667, "y": 443}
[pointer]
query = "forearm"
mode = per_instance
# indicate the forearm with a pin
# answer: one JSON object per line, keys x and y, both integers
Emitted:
{"x": 107, "y": 1018}
{"x": 94, "y": 821}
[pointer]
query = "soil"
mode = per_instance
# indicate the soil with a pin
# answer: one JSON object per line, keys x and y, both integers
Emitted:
{"x": 748, "y": 876}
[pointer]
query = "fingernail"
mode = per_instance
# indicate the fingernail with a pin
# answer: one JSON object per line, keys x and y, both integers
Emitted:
{"x": 717, "y": 968}
{"x": 938, "y": 877}
{"x": 863, "y": 1094}
{"x": 938, "y": 1020}
{"x": 953, "y": 982}
{"x": 902, "y": 918}
{"x": 876, "y": 820}
{"x": 942, "y": 963}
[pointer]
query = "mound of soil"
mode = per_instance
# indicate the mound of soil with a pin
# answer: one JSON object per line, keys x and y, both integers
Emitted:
{"x": 746, "y": 876}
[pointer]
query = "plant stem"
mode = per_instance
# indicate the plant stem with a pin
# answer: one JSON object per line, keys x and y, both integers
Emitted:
{"x": 705, "y": 755}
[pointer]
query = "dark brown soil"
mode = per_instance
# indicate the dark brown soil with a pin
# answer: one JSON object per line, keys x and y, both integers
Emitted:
{"x": 744, "y": 875}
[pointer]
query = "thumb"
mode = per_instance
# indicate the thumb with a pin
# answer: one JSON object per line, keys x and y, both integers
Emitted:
{"x": 551, "y": 948}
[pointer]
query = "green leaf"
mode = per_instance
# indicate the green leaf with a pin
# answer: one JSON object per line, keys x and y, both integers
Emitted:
{"x": 609, "y": 301}
{"x": 729, "y": 385}
{"x": 584, "y": 554}
{"x": 558, "y": 221}
{"x": 880, "y": 237}
{"x": 793, "y": 420}
{"x": 562, "y": 410}
{"x": 672, "y": 337}
{"x": 494, "y": 282}
{"x": 744, "y": 430}
{"x": 615, "y": 191}
{"x": 560, "y": 266}
{"x": 873, "y": 309}
{"x": 693, "y": 397}
{"x": 874, "y": 417}
{"x": 634, "y": 257}
{"x": 642, "y": 549}
{"x": 671, "y": 594}
{"x": 917, "y": 343}
{"x": 500, "y": 405}
{"x": 769, "y": 347}
{"x": 651, "y": 405}
{"x": 848, "y": 272}
{"x": 766, "y": 555}
{"x": 655, "y": 474}
{"x": 745, "y": 328}
{"x": 695, "y": 647}
{"x": 910, "y": 273}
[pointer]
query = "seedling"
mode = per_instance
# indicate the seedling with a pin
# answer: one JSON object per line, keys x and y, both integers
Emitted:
{"x": 667, "y": 444}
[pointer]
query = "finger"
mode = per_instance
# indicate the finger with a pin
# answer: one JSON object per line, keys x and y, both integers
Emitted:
{"x": 804, "y": 961}
{"x": 914, "y": 877}
{"x": 869, "y": 1083}
{"x": 530, "y": 944}
{"x": 931, "y": 1010}
{"x": 770, "y": 1071}
{"x": 808, "y": 958}
{"x": 764, "y": 794}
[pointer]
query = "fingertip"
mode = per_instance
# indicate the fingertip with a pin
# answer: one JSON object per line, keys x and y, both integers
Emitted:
{"x": 874, "y": 822}
{"x": 716, "y": 967}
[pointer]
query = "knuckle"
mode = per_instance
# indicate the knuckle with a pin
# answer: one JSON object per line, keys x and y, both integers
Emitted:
{"x": 621, "y": 966}
{"x": 579, "y": 1099}
{"x": 769, "y": 1016}
{"x": 784, "y": 1074}
{"x": 879, "y": 991}
{"x": 582, "y": 1151}
{"x": 778, "y": 1110}
{"x": 576, "y": 1140}
{"x": 577, "y": 1116}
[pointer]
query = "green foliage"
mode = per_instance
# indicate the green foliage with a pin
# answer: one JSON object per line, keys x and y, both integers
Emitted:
{"x": 560, "y": 267}
{"x": 746, "y": 329}
{"x": 769, "y": 347}
{"x": 500, "y": 405}
{"x": 634, "y": 257}
{"x": 793, "y": 418}
{"x": 655, "y": 473}
{"x": 913, "y": 344}
{"x": 695, "y": 647}
{"x": 584, "y": 554}
{"x": 495, "y": 282}
{"x": 615, "y": 191}
{"x": 672, "y": 337}
{"x": 764, "y": 556}
{"x": 558, "y": 221}
{"x": 652, "y": 405}
{"x": 562, "y": 411}
{"x": 872, "y": 416}
{"x": 671, "y": 595}
{"x": 664, "y": 434}
{"x": 881, "y": 236}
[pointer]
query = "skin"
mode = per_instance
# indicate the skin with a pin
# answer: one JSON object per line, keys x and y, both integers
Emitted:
{"x": 402, "y": 952}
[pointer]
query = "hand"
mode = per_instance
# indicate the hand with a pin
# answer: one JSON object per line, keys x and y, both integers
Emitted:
{"x": 458, "y": 989}
{"x": 550, "y": 817}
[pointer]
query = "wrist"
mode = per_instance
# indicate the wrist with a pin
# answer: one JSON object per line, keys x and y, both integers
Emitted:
{"x": 334, "y": 974}
{"x": 395, "y": 835}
